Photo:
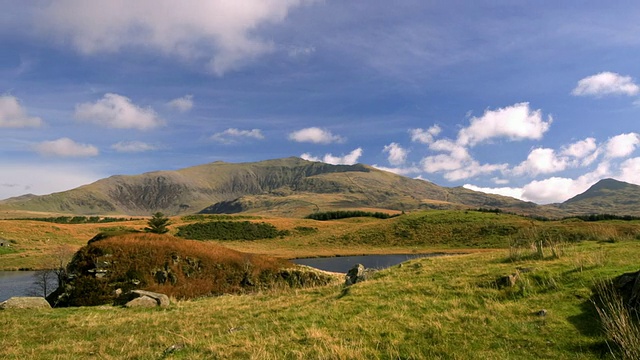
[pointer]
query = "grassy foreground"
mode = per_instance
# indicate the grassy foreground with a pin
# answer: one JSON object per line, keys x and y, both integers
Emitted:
{"x": 433, "y": 308}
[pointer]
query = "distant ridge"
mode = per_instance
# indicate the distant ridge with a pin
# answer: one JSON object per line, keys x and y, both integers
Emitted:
{"x": 283, "y": 187}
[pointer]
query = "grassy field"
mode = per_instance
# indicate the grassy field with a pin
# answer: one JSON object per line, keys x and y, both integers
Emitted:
{"x": 37, "y": 244}
{"x": 431, "y": 308}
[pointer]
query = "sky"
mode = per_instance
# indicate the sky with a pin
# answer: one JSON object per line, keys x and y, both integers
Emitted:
{"x": 534, "y": 100}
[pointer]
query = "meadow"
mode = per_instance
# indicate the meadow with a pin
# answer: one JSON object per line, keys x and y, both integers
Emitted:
{"x": 449, "y": 307}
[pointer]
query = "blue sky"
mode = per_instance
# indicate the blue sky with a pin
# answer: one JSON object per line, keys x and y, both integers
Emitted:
{"x": 536, "y": 100}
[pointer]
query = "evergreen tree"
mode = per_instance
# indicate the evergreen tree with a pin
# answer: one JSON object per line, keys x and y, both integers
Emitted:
{"x": 158, "y": 224}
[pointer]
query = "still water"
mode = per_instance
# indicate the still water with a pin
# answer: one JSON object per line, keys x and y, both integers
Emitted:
{"x": 16, "y": 283}
{"x": 342, "y": 264}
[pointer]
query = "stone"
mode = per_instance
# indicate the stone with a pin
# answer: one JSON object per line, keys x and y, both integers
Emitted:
{"x": 507, "y": 280}
{"x": 356, "y": 274}
{"x": 541, "y": 313}
{"x": 19, "y": 302}
{"x": 161, "y": 300}
{"x": 142, "y": 302}
{"x": 628, "y": 286}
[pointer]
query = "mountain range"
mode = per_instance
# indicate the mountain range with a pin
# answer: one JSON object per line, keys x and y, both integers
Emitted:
{"x": 297, "y": 187}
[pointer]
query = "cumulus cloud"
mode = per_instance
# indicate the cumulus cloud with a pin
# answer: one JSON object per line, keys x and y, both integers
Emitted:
{"x": 222, "y": 33}
{"x": 132, "y": 146}
{"x": 583, "y": 152}
{"x": 117, "y": 111}
{"x": 182, "y": 104}
{"x": 630, "y": 171}
{"x": 399, "y": 170}
{"x": 232, "y": 135}
{"x": 606, "y": 83}
{"x": 315, "y": 135}
{"x": 14, "y": 115}
{"x": 349, "y": 159}
{"x": 65, "y": 147}
{"x": 541, "y": 161}
{"x": 504, "y": 191}
{"x": 397, "y": 154}
{"x": 425, "y": 136}
{"x": 516, "y": 122}
{"x": 622, "y": 145}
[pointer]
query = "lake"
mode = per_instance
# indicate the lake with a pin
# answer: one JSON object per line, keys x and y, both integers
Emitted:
{"x": 342, "y": 264}
{"x": 16, "y": 283}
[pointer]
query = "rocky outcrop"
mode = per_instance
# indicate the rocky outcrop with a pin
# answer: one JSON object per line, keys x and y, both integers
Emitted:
{"x": 25, "y": 303}
{"x": 357, "y": 274}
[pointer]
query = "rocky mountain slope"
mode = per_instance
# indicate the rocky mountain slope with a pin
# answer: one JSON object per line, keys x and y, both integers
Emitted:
{"x": 290, "y": 187}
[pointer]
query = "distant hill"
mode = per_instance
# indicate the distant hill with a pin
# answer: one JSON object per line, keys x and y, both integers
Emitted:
{"x": 284, "y": 187}
{"x": 607, "y": 196}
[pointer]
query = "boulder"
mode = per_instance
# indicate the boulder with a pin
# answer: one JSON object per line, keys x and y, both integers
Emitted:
{"x": 25, "y": 303}
{"x": 507, "y": 280}
{"x": 161, "y": 299}
{"x": 628, "y": 286}
{"x": 142, "y": 302}
{"x": 142, "y": 298}
{"x": 356, "y": 274}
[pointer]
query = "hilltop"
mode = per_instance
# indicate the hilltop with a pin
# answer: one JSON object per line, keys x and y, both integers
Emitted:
{"x": 607, "y": 196}
{"x": 282, "y": 187}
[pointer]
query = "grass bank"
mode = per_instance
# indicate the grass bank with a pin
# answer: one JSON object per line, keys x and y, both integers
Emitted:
{"x": 431, "y": 308}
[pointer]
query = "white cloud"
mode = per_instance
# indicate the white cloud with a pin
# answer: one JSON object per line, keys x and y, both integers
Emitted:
{"x": 580, "y": 149}
{"x": 516, "y": 122}
{"x": 630, "y": 171}
{"x": 622, "y": 145}
{"x": 301, "y": 51}
{"x": 117, "y": 111}
{"x": 606, "y": 83}
{"x": 425, "y": 136}
{"x": 541, "y": 161}
{"x": 132, "y": 146}
{"x": 315, "y": 135}
{"x": 473, "y": 168}
{"x": 349, "y": 159}
{"x": 41, "y": 179}
{"x": 397, "y": 155}
{"x": 221, "y": 32}
{"x": 14, "y": 115}
{"x": 232, "y": 135}
{"x": 504, "y": 191}
{"x": 65, "y": 147}
{"x": 182, "y": 104}
{"x": 399, "y": 170}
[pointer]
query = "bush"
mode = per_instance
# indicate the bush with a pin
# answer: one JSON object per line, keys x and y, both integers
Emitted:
{"x": 229, "y": 230}
{"x": 341, "y": 214}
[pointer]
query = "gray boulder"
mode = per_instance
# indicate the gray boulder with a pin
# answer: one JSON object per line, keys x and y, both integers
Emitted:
{"x": 19, "y": 302}
{"x": 355, "y": 275}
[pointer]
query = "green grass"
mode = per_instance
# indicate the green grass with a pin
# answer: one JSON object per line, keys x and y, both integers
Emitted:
{"x": 430, "y": 308}
{"x": 7, "y": 250}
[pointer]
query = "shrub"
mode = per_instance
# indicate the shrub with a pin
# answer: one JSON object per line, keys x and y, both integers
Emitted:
{"x": 229, "y": 230}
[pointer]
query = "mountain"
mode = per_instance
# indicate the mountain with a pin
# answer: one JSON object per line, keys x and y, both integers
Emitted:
{"x": 290, "y": 187}
{"x": 607, "y": 196}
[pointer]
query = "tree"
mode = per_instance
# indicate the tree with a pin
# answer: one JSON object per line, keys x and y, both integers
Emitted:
{"x": 158, "y": 224}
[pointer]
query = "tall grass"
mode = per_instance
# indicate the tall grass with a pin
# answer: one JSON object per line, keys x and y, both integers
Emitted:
{"x": 620, "y": 324}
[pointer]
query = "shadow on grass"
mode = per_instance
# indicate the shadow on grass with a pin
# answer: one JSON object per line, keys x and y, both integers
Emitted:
{"x": 588, "y": 324}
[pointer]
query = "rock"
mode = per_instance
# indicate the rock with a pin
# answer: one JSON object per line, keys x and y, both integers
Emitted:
{"x": 25, "y": 303}
{"x": 507, "y": 280}
{"x": 541, "y": 313}
{"x": 161, "y": 300}
{"x": 142, "y": 302}
{"x": 628, "y": 286}
{"x": 355, "y": 275}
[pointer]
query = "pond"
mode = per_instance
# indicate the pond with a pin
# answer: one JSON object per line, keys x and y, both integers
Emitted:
{"x": 342, "y": 264}
{"x": 16, "y": 283}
